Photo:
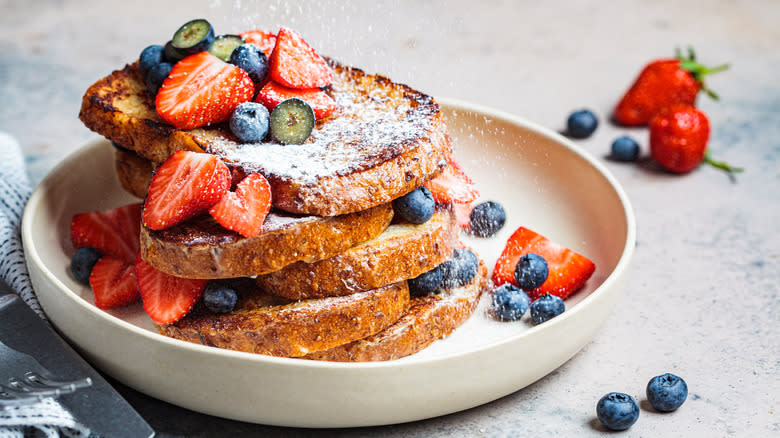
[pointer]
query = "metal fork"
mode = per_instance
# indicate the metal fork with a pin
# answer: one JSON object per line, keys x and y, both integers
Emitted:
{"x": 25, "y": 381}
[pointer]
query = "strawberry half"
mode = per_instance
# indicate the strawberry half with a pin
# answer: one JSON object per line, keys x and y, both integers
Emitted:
{"x": 273, "y": 94}
{"x": 244, "y": 210}
{"x": 265, "y": 41}
{"x": 568, "y": 270}
{"x": 201, "y": 89}
{"x": 166, "y": 298}
{"x": 295, "y": 64}
{"x": 452, "y": 186}
{"x": 462, "y": 212}
{"x": 113, "y": 232}
{"x": 184, "y": 186}
{"x": 113, "y": 283}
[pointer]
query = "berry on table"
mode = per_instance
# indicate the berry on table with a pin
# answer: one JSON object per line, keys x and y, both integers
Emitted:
{"x": 415, "y": 207}
{"x": 624, "y": 148}
{"x": 617, "y": 411}
{"x": 487, "y": 218}
{"x": 531, "y": 271}
{"x": 546, "y": 308}
{"x": 666, "y": 392}
{"x": 250, "y": 122}
{"x": 581, "y": 123}
{"x": 509, "y": 303}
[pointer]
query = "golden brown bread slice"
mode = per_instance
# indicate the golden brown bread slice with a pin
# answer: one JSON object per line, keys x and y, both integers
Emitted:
{"x": 384, "y": 140}
{"x": 401, "y": 252}
{"x": 201, "y": 248}
{"x": 274, "y": 326}
{"x": 429, "y": 318}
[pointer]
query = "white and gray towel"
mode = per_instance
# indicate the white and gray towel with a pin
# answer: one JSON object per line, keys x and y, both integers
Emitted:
{"x": 46, "y": 418}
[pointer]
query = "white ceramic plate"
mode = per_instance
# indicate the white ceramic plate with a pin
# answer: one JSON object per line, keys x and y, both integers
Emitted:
{"x": 545, "y": 183}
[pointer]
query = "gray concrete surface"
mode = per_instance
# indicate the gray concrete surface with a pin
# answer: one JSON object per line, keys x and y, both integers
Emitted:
{"x": 701, "y": 300}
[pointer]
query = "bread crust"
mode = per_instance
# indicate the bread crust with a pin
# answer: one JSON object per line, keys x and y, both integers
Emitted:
{"x": 428, "y": 319}
{"x": 201, "y": 248}
{"x": 263, "y": 324}
{"x": 366, "y": 169}
{"x": 401, "y": 252}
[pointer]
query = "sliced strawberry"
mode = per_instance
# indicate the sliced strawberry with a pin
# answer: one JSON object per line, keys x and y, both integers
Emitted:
{"x": 113, "y": 232}
{"x": 462, "y": 212}
{"x": 273, "y": 94}
{"x": 244, "y": 210}
{"x": 262, "y": 39}
{"x": 113, "y": 283}
{"x": 185, "y": 185}
{"x": 568, "y": 270}
{"x": 202, "y": 89}
{"x": 453, "y": 185}
{"x": 166, "y": 298}
{"x": 295, "y": 64}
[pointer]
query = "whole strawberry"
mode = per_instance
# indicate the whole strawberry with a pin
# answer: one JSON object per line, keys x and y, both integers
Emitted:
{"x": 678, "y": 139}
{"x": 662, "y": 83}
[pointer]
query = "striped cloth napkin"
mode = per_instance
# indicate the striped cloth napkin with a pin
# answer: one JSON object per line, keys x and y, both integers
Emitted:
{"x": 46, "y": 418}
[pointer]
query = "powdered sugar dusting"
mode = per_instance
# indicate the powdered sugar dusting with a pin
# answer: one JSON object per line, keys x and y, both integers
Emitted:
{"x": 375, "y": 121}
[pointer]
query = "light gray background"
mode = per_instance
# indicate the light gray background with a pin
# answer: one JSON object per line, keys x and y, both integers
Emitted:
{"x": 701, "y": 300}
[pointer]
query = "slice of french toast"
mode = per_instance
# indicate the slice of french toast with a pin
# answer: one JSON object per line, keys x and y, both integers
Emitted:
{"x": 401, "y": 252}
{"x": 201, "y": 248}
{"x": 274, "y": 326}
{"x": 429, "y": 318}
{"x": 384, "y": 140}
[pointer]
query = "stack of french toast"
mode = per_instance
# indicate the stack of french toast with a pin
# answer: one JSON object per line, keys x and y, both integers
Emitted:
{"x": 334, "y": 272}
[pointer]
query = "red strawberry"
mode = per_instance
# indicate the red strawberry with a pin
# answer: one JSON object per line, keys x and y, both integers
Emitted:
{"x": 295, "y": 64}
{"x": 262, "y": 39}
{"x": 202, "y": 89}
{"x": 113, "y": 232}
{"x": 453, "y": 185}
{"x": 113, "y": 283}
{"x": 462, "y": 212}
{"x": 662, "y": 83}
{"x": 273, "y": 94}
{"x": 166, "y": 298}
{"x": 678, "y": 138}
{"x": 185, "y": 185}
{"x": 568, "y": 270}
{"x": 244, "y": 210}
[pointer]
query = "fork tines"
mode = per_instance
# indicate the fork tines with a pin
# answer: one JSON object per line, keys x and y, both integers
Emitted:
{"x": 32, "y": 387}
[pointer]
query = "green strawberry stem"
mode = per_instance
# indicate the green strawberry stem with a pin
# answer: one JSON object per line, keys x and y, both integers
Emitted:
{"x": 721, "y": 164}
{"x": 698, "y": 70}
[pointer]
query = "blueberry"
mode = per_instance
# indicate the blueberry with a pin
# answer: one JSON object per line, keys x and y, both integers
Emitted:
{"x": 157, "y": 75}
{"x": 250, "y": 122}
{"x": 581, "y": 123}
{"x": 487, "y": 218}
{"x": 82, "y": 263}
{"x": 252, "y": 60}
{"x": 416, "y": 206}
{"x": 219, "y": 297}
{"x": 150, "y": 56}
{"x": 509, "y": 302}
{"x": 172, "y": 54}
{"x": 546, "y": 308}
{"x": 666, "y": 392}
{"x": 426, "y": 283}
{"x": 531, "y": 271}
{"x": 617, "y": 411}
{"x": 193, "y": 36}
{"x": 460, "y": 269}
{"x": 292, "y": 121}
{"x": 624, "y": 148}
